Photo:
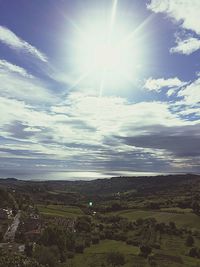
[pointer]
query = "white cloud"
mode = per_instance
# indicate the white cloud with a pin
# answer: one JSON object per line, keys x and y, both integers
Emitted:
{"x": 190, "y": 111}
{"x": 10, "y": 39}
{"x": 158, "y": 84}
{"x": 16, "y": 82}
{"x": 187, "y": 46}
{"x": 111, "y": 115}
{"x": 191, "y": 93}
{"x": 77, "y": 130}
{"x": 186, "y": 12}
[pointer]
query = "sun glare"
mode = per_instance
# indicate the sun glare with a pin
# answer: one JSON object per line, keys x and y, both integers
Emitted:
{"x": 105, "y": 55}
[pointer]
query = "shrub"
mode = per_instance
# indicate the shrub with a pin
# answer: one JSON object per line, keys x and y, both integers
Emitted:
{"x": 45, "y": 256}
{"x": 194, "y": 252}
{"x": 145, "y": 250}
{"x": 115, "y": 259}
{"x": 189, "y": 241}
{"x": 79, "y": 247}
{"x": 95, "y": 239}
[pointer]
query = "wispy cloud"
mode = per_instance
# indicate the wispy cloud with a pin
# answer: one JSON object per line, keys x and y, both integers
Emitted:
{"x": 7, "y": 66}
{"x": 10, "y": 39}
{"x": 17, "y": 83}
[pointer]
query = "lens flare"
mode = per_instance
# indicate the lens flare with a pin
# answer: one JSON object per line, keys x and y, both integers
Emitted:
{"x": 106, "y": 52}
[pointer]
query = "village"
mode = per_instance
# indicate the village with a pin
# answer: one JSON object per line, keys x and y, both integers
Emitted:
{"x": 18, "y": 228}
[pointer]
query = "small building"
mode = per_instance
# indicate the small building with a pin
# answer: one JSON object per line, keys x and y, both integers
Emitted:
{"x": 5, "y": 214}
{"x": 33, "y": 235}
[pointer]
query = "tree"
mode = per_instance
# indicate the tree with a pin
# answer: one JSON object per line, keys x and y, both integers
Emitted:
{"x": 196, "y": 207}
{"x": 145, "y": 250}
{"x": 189, "y": 241}
{"x": 95, "y": 239}
{"x": 83, "y": 224}
{"x": 115, "y": 259}
{"x": 116, "y": 206}
{"x": 7, "y": 260}
{"x": 28, "y": 249}
{"x": 46, "y": 256}
{"x": 57, "y": 236}
{"x": 194, "y": 252}
{"x": 1, "y": 236}
{"x": 79, "y": 247}
{"x": 172, "y": 225}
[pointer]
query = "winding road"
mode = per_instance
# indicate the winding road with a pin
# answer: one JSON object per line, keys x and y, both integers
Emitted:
{"x": 10, "y": 233}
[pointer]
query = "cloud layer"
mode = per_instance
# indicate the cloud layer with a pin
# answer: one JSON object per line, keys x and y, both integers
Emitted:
{"x": 152, "y": 126}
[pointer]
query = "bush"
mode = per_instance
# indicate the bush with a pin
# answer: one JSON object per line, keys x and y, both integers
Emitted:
{"x": 172, "y": 225}
{"x": 156, "y": 245}
{"x": 194, "y": 252}
{"x": 79, "y": 247}
{"x": 102, "y": 236}
{"x": 95, "y": 240}
{"x": 133, "y": 242}
{"x": 139, "y": 221}
{"x": 70, "y": 255}
{"x": 46, "y": 256}
{"x": 189, "y": 241}
{"x": 17, "y": 260}
{"x": 83, "y": 224}
{"x": 115, "y": 259}
{"x": 87, "y": 241}
{"x": 1, "y": 236}
{"x": 145, "y": 250}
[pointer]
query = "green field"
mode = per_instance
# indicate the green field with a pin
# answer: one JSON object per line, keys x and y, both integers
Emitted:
{"x": 60, "y": 211}
{"x": 188, "y": 219}
{"x": 112, "y": 245}
{"x": 95, "y": 254}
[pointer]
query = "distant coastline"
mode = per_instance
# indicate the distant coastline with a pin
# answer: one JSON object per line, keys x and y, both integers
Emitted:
{"x": 83, "y": 175}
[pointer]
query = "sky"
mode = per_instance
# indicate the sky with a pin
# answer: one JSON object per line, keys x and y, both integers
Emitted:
{"x": 99, "y": 87}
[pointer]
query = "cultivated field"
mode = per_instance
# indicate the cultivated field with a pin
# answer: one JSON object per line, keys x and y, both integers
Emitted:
{"x": 60, "y": 211}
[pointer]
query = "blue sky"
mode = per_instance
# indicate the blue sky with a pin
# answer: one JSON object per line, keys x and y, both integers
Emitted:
{"x": 71, "y": 101}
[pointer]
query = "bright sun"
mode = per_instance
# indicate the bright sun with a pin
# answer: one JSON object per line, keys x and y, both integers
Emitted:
{"x": 107, "y": 52}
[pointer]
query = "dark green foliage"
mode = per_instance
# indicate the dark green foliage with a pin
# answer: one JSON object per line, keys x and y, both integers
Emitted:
{"x": 196, "y": 207}
{"x": 60, "y": 241}
{"x": 7, "y": 260}
{"x": 47, "y": 256}
{"x": 115, "y": 206}
{"x": 139, "y": 221}
{"x": 189, "y": 241}
{"x": 95, "y": 239}
{"x": 6, "y": 199}
{"x": 83, "y": 224}
{"x": 28, "y": 249}
{"x": 172, "y": 225}
{"x": 115, "y": 259}
{"x": 55, "y": 235}
{"x": 145, "y": 250}
{"x": 79, "y": 247}
{"x": 194, "y": 252}
{"x": 1, "y": 236}
{"x": 87, "y": 241}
